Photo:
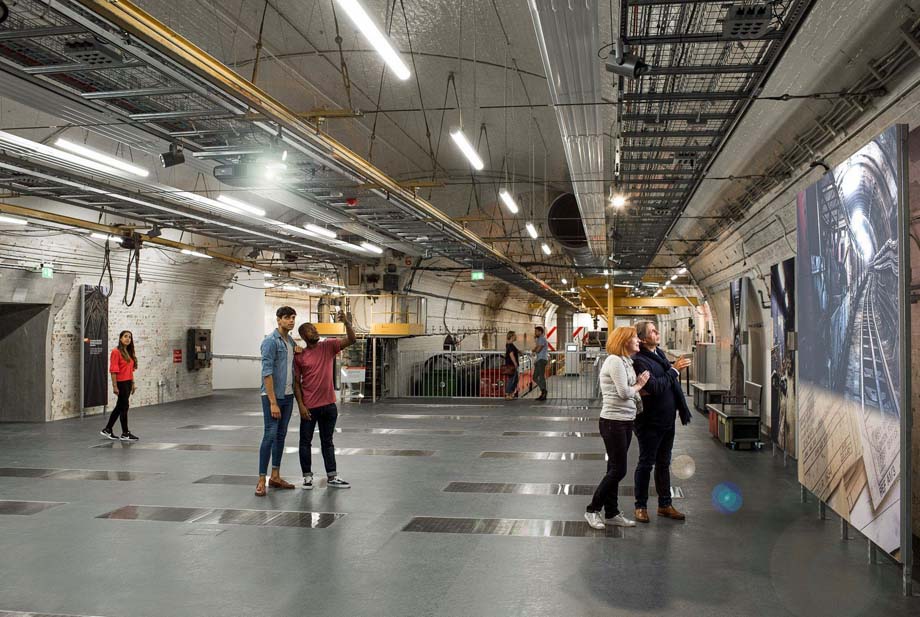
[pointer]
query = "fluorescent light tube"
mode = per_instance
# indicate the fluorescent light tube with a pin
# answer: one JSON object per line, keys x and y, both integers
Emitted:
{"x": 509, "y": 201}
{"x": 195, "y": 254}
{"x": 99, "y": 236}
{"x": 564, "y": 282}
{"x": 373, "y": 248}
{"x": 92, "y": 155}
{"x": 320, "y": 230}
{"x": 241, "y": 205}
{"x": 267, "y": 275}
{"x": 11, "y": 221}
{"x": 466, "y": 148}
{"x": 314, "y": 290}
{"x": 682, "y": 271}
{"x": 290, "y": 288}
{"x": 375, "y": 37}
{"x": 268, "y": 285}
{"x": 546, "y": 249}
{"x": 532, "y": 231}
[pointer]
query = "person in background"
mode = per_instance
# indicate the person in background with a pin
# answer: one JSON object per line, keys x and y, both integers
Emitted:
{"x": 620, "y": 389}
{"x": 510, "y": 368}
{"x": 315, "y": 392}
{"x": 662, "y": 401}
{"x": 122, "y": 364}
{"x": 277, "y": 397}
{"x": 541, "y": 349}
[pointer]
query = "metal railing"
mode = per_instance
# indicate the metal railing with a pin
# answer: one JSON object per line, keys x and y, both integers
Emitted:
{"x": 478, "y": 374}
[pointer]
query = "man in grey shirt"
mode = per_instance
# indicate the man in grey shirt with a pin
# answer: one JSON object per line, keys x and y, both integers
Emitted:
{"x": 541, "y": 350}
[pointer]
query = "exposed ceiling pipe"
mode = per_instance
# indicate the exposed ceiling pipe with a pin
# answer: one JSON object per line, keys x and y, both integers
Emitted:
{"x": 567, "y": 34}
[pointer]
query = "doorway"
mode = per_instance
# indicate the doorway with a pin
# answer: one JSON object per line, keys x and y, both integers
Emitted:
{"x": 23, "y": 361}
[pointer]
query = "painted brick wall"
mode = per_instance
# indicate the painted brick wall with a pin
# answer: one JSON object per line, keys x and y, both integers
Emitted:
{"x": 177, "y": 292}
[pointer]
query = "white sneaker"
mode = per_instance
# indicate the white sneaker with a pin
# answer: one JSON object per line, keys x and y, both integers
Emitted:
{"x": 619, "y": 521}
{"x": 307, "y": 483}
{"x": 594, "y": 520}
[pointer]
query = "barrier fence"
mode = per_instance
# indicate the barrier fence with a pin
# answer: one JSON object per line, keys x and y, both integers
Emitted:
{"x": 571, "y": 375}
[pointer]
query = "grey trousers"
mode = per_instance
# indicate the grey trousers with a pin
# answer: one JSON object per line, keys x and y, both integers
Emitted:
{"x": 539, "y": 373}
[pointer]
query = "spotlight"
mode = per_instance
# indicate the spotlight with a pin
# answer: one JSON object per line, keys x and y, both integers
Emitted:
{"x": 155, "y": 232}
{"x": 174, "y": 157}
{"x": 618, "y": 201}
{"x": 626, "y": 64}
{"x": 254, "y": 254}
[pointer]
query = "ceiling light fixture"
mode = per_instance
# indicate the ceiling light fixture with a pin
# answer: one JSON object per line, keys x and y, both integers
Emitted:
{"x": 606, "y": 285}
{"x": 98, "y": 157}
{"x": 618, "y": 201}
{"x": 174, "y": 157}
{"x": 532, "y": 230}
{"x": 268, "y": 285}
{"x": 373, "y": 248}
{"x": 195, "y": 254}
{"x": 466, "y": 148}
{"x": 290, "y": 288}
{"x": 508, "y": 200}
{"x": 375, "y": 37}
{"x": 241, "y": 205}
{"x": 546, "y": 249}
{"x": 5, "y": 220}
{"x": 314, "y": 290}
{"x": 564, "y": 282}
{"x": 328, "y": 233}
{"x": 626, "y": 64}
{"x": 682, "y": 270}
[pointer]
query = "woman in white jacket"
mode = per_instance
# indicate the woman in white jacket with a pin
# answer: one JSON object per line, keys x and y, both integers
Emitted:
{"x": 620, "y": 388}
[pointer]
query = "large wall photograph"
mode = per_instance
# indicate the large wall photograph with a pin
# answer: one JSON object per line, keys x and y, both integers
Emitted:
{"x": 736, "y": 365}
{"x": 782, "y": 359}
{"x": 848, "y": 360}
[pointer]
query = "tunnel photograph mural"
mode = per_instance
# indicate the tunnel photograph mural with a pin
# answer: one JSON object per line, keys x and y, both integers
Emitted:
{"x": 782, "y": 358}
{"x": 849, "y": 408}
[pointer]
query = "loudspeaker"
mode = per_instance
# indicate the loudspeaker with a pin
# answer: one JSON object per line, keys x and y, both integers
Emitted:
{"x": 391, "y": 282}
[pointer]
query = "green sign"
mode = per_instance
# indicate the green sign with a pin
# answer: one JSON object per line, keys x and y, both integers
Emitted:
{"x": 47, "y": 272}
{"x": 477, "y": 275}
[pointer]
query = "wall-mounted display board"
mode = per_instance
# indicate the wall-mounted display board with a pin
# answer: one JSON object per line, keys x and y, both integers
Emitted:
{"x": 736, "y": 366}
{"x": 94, "y": 331}
{"x": 782, "y": 358}
{"x": 851, "y": 345}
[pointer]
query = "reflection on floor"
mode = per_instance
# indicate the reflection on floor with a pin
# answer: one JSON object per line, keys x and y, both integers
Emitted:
{"x": 446, "y": 532}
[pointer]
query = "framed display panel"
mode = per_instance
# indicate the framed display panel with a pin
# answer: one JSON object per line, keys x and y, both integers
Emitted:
{"x": 782, "y": 356}
{"x": 853, "y": 349}
{"x": 736, "y": 361}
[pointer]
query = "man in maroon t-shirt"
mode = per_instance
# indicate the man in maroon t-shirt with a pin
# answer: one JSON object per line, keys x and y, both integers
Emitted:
{"x": 315, "y": 393}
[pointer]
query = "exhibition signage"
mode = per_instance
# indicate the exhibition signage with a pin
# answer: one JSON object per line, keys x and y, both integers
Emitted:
{"x": 852, "y": 344}
{"x": 94, "y": 331}
{"x": 782, "y": 356}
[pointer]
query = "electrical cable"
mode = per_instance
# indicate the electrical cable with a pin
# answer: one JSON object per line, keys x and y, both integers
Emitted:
{"x": 106, "y": 267}
{"x": 135, "y": 258}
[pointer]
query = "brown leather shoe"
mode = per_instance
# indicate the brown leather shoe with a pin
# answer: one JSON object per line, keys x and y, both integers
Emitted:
{"x": 671, "y": 512}
{"x": 279, "y": 483}
{"x": 641, "y": 515}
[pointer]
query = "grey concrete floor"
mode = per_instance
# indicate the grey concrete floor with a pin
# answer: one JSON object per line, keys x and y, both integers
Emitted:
{"x": 771, "y": 557}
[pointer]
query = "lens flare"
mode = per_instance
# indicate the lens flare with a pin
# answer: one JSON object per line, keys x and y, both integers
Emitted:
{"x": 726, "y": 497}
{"x": 683, "y": 467}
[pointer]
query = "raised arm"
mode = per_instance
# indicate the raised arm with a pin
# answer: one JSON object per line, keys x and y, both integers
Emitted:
{"x": 350, "y": 337}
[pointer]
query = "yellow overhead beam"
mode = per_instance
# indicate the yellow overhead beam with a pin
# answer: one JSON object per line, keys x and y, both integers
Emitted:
{"x": 597, "y": 303}
{"x": 643, "y": 312}
{"x": 645, "y": 302}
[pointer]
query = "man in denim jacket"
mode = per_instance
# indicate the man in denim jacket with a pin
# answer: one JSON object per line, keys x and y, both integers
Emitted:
{"x": 277, "y": 397}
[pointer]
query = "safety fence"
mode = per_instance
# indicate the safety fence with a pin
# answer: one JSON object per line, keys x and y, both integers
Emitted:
{"x": 571, "y": 375}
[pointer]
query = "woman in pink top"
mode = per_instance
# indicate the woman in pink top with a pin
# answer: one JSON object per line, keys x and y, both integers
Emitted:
{"x": 122, "y": 364}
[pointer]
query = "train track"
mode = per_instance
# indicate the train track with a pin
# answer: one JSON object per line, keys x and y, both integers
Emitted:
{"x": 875, "y": 377}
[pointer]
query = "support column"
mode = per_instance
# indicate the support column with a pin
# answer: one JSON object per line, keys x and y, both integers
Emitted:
{"x": 563, "y": 327}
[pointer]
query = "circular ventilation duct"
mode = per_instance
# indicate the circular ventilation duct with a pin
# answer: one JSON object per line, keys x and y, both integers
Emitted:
{"x": 566, "y": 227}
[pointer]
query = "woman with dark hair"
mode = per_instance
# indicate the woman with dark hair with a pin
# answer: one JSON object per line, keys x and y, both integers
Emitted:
{"x": 510, "y": 368}
{"x": 122, "y": 364}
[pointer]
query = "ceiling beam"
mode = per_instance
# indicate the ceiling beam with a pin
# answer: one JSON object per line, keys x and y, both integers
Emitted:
{"x": 705, "y": 69}
{"x": 665, "y": 117}
{"x": 696, "y": 37}
{"x": 663, "y": 134}
{"x": 716, "y": 95}
{"x": 656, "y": 302}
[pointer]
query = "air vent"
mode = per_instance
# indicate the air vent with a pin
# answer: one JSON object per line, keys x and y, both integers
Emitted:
{"x": 750, "y": 21}
{"x": 91, "y": 52}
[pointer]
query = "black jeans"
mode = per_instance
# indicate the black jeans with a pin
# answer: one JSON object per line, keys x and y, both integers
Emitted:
{"x": 654, "y": 451}
{"x": 617, "y": 435}
{"x": 325, "y": 416}
{"x": 121, "y": 406}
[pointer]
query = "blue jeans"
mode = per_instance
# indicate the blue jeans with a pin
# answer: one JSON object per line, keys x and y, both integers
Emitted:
{"x": 275, "y": 432}
{"x": 511, "y": 383}
{"x": 325, "y": 416}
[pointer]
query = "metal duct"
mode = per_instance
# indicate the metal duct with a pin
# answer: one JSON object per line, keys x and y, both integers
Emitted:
{"x": 565, "y": 225}
{"x": 567, "y": 34}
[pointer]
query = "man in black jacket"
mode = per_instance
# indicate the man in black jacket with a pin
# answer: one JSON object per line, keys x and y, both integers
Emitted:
{"x": 662, "y": 400}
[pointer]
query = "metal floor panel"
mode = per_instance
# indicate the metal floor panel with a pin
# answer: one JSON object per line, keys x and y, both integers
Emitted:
{"x": 27, "y": 508}
{"x": 338, "y": 429}
{"x": 550, "y": 434}
{"x": 420, "y": 416}
{"x": 221, "y": 516}
{"x": 227, "y": 479}
{"x": 532, "y": 528}
{"x": 205, "y": 447}
{"x": 528, "y": 488}
{"x": 548, "y": 456}
{"x": 99, "y": 474}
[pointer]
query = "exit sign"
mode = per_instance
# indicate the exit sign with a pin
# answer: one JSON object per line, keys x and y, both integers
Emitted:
{"x": 477, "y": 275}
{"x": 47, "y": 272}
